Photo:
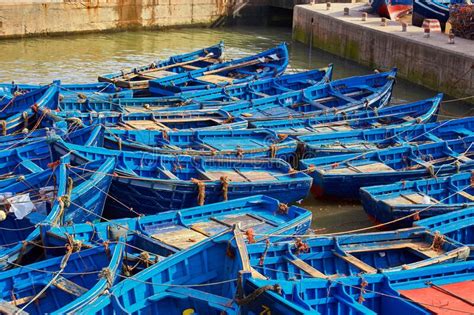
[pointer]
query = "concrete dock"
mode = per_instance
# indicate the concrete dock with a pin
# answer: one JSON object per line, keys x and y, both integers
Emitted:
{"x": 430, "y": 62}
{"x": 39, "y": 17}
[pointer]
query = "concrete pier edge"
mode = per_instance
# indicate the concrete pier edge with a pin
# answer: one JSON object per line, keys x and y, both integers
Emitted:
{"x": 430, "y": 62}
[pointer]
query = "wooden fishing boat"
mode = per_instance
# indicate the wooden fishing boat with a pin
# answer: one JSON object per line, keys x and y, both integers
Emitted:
{"x": 169, "y": 232}
{"x": 68, "y": 92}
{"x": 343, "y": 175}
{"x": 138, "y": 77}
{"x": 241, "y": 143}
{"x": 269, "y": 63}
{"x": 208, "y": 98}
{"x": 151, "y": 183}
{"x": 51, "y": 196}
{"x": 432, "y": 9}
{"x": 432, "y": 290}
{"x": 396, "y": 115}
{"x": 202, "y": 279}
{"x": 365, "y": 140}
{"x": 457, "y": 225}
{"x": 422, "y": 198}
{"x": 344, "y": 95}
{"x": 353, "y": 254}
{"x": 392, "y": 9}
{"x": 89, "y": 136}
{"x": 61, "y": 285}
{"x": 165, "y": 121}
{"x": 21, "y": 113}
{"x": 24, "y": 157}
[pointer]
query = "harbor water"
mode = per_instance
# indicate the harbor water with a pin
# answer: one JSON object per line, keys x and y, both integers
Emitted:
{"x": 80, "y": 58}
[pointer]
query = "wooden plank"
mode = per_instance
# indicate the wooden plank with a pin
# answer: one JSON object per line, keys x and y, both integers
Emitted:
{"x": 210, "y": 227}
{"x": 254, "y": 176}
{"x": 466, "y": 195}
{"x": 235, "y": 66}
{"x": 242, "y": 249}
{"x": 414, "y": 198}
{"x": 356, "y": 262}
{"x": 69, "y": 286}
{"x": 179, "y": 236}
{"x": 10, "y": 309}
{"x": 313, "y": 272}
{"x": 190, "y": 67}
{"x": 243, "y": 221}
{"x": 215, "y": 79}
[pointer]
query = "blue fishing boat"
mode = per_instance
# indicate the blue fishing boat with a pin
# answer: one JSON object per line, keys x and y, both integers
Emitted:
{"x": 208, "y": 98}
{"x": 418, "y": 199}
{"x": 432, "y": 9}
{"x": 339, "y": 96}
{"x": 392, "y": 9}
{"x": 68, "y": 92}
{"x": 151, "y": 183}
{"x": 21, "y": 113}
{"x": 433, "y": 290}
{"x": 401, "y": 115}
{"x": 138, "y": 77}
{"x": 457, "y": 225}
{"x": 54, "y": 196}
{"x": 61, "y": 285}
{"x": 200, "y": 280}
{"x": 169, "y": 232}
{"x": 348, "y": 255}
{"x": 269, "y": 63}
{"x": 27, "y": 157}
{"x": 240, "y": 143}
{"x": 365, "y": 140}
{"x": 89, "y": 136}
{"x": 342, "y": 175}
{"x": 183, "y": 120}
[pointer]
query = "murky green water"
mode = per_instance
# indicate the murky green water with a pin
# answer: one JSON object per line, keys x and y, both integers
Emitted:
{"x": 81, "y": 58}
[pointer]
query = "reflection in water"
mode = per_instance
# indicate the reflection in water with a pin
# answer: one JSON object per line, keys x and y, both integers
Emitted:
{"x": 80, "y": 58}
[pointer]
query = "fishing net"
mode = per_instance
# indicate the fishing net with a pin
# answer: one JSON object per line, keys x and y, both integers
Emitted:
{"x": 461, "y": 18}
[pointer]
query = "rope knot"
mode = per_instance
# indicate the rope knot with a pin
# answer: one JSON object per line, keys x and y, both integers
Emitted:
{"x": 106, "y": 274}
{"x": 300, "y": 246}
{"x": 225, "y": 187}
{"x": 283, "y": 208}
{"x": 282, "y": 136}
{"x": 363, "y": 285}
{"x": 54, "y": 164}
{"x": 201, "y": 190}
{"x": 250, "y": 236}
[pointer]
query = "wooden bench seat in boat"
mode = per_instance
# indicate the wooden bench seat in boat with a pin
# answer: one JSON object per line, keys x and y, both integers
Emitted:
{"x": 155, "y": 74}
{"x": 310, "y": 270}
{"x": 409, "y": 199}
{"x": 331, "y": 128}
{"x": 215, "y": 79}
{"x": 178, "y": 236}
{"x": 69, "y": 287}
{"x": 8, "y": 308}
{"x": 466, "y": 195}
{"x": 142, "y": 125}
{"x": 240, "y": 176}
{"x": 362, "y": 146}
{"x": 366, "y": 168}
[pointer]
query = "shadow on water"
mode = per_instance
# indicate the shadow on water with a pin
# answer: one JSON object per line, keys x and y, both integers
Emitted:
{"x": 80, "y": 58}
